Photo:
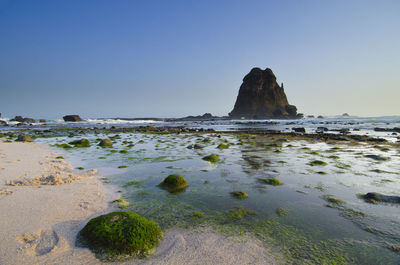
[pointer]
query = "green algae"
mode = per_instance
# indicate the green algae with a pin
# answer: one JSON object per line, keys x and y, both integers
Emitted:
{"x": 223, "y": 146}
{"x": 271, "y": 181}
{"x": 174, "y": 183}
{"x": 80, "y": 143}
{"x": 59, "y": 157}
{"x": 239, "y": 195}
{"x": 122, "y": 166}
{"x": 133, "y": 183}
{"x": 65, "y": 146}
{"x": 318, "y": 163}
{"x": 120, "y": 233}
{"x": 105, "y": 143}
{"x": 211, "y": 158}
{"x": 281, "y": 212}
{"x": 332, "y": 200}
{"x": 238, "y": 213}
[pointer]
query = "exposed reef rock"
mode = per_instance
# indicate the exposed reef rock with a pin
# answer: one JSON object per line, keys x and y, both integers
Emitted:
{"x": 72, "y": 118}
{"x": 260, "y": 97}
{"x": 23, "y": 120}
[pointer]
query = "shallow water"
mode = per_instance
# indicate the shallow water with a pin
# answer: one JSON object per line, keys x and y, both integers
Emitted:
{"x": 355, "y": 232}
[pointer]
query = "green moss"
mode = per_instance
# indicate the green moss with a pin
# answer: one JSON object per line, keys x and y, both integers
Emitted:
{"x": 105, "y": 143}
{"x": 122, "y": 166}
{"x": 271, "y": 181}
{"x": 333, "y": 157}
{"x": 122, "y": 204}
{"x": 239, "y": 195}
{"x": 65, "y": 146}
{"x": 211, "y": 158}
{"x": 281, "y": 212}
{"x": 123, "y": 151}
{"x": 343, "y": 166}
{"x": 102, "y": 157}
{"x": 79, "y": 168}
{"x": 223, "y": 146}
{"x": 321, "y": 172}
{"x": 197, "y": 214}
{"x": 133, "y": 182}
{"x": 238, "y": 213}
{"x": 113, "y": 151}
{"x": 59, "y": 157}
{"x": 174, "y": 183}
{"x": 318, "y": 163}
{"x": 120, "y": 233}
{"x": 80, "y": 143}
{"x": 330, "y": 199}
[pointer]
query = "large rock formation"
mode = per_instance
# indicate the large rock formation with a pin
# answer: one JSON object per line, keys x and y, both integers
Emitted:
{"x": 260, "y": 97}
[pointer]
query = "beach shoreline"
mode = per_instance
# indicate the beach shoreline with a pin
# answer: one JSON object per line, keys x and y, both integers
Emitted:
{"x": 44, "y": 204}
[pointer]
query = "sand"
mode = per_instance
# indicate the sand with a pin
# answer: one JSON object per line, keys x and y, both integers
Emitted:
{"x": 44, "y": 204}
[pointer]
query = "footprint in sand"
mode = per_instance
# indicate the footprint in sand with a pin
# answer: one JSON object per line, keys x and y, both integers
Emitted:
{"x": 40, "y": 243}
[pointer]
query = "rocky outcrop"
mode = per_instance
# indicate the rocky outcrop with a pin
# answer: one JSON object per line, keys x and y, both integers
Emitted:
{"x": 23, "y": 120}
{"x": 261, "y": 97}
{"x": 72, "y": 118}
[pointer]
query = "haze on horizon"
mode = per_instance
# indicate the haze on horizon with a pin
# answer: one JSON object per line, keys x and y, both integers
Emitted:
{"x": 176, "y": 58}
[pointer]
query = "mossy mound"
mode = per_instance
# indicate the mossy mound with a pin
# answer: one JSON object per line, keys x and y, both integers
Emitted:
{"x": 330, "y": 199}
{"x": 318, "y": 163}
{"x": 105, "y": 143}
{"x": 65, "y": 146}
{"x": 120, "y": 233}
{"x": 24, "y": 138}
{"x": 211, "y": 158}
{"x": 223, "y": 146}
{"x": 174, "y": 183}
{"x": 80, "y": 143}
{"x": 271, "y": 181}
{"x": 239, "y": 195}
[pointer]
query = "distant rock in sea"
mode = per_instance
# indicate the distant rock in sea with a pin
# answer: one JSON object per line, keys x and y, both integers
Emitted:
{"x": 23, "y": 120}
{"x": 72, "y": 118}
{"x": 261, "y": 97}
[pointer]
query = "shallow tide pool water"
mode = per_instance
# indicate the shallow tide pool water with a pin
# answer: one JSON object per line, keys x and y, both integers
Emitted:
{"x": 315, "y": 217}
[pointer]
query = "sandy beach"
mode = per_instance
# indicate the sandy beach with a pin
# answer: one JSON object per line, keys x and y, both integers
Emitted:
{"x": 44, "y": 204}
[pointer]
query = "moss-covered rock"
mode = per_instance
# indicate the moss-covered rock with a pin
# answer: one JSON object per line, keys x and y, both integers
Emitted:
{"x": 239, "y": 195}
{"x": 271, "y": 181}
{"x": 318, "y": 163}
{"x": 24, "y": 138}
{"x": 174, "y": 183}
{"x": 80, "y": 143}
{"x": 120, "y": 233}
{"x": 223, "y": 146}
{"x": 105, "y": 143}
{"x": 65, "y": 146}
{"x": 211, "y": 158}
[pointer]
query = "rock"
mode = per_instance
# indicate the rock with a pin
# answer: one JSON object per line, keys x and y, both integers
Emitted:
{"x": 345, "y": 115}
{"x": 320, "y": 117}
{"x": 3, "y": 123}
{"x": 377, "y": 157}
{"x": 72, "y": 118}
{"x": 23, "y": 120}
{"x": 42, "y": 120}
{"x": 174, "y": 183}
{"x": 322, "y": 130}
{"x": 120, "y": 234}
{"x": 261, "y": 97}
{"x": 374, "y": 197}
{"x": 80, "y": 143}
{"x": 299, "y": 129}
{"x": 24, "y": 138}
{"x": 195, "y": 146}
{"x": 105, "y": 143}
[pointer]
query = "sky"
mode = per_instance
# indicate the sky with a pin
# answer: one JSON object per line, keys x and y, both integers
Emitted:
{"x": 172, "y": 58}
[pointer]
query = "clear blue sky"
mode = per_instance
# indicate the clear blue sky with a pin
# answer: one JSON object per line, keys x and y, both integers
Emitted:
{"x": 176, "y": 58}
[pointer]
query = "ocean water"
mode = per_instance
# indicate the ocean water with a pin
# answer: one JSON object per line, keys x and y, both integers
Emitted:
{"x": 297, "y": 215}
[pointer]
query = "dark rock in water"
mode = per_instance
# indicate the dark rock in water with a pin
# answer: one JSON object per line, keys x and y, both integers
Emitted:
{"x": 23, "y": 120}
{"x": 322, "y": 129}
{"x": 299, "y": 129}
{"x": 310, "y": 116}
{"x": 195, "y": 146}
{"x": 42, "y": 120}
{"x": 24, "y": 138}
{"x": 377, "y": 157}
{"x": 374, "y": 197}
{"x": 320, "y": 117}
{"x": 345, "y": 115}
{"x": 72, "y": 118}
{"x": 3, "y": 123}
{"x": 261, "y": 97}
